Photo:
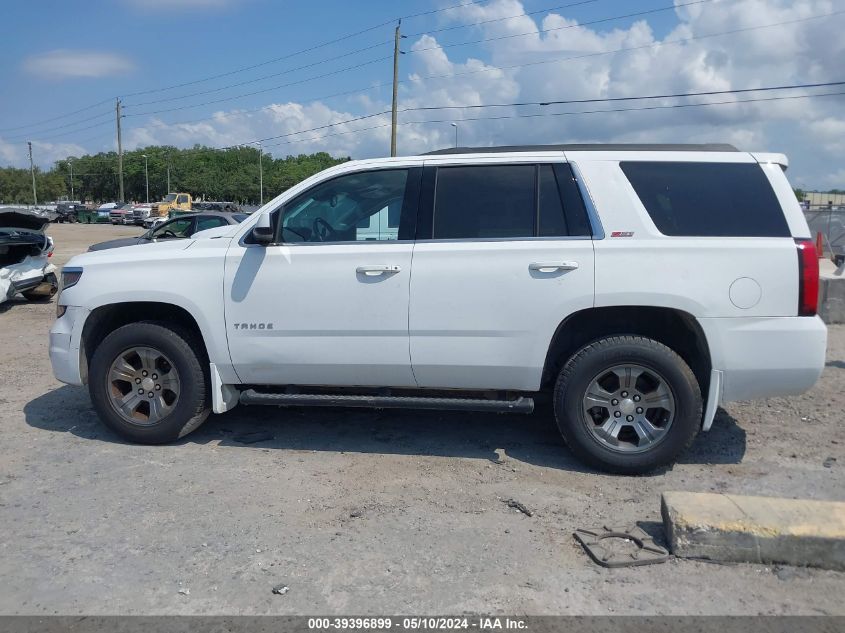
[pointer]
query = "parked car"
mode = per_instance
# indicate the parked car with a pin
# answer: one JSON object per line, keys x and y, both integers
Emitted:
{"x": 635, "y": 287}
{"x": 140, "y": 213}
{"x": 177, "y": 228}
{"x": 25, "y": 253}
{"x": 154, "y": 221}
{"x": 122, "y": 213}
{"x": 103, "y": 214}
{"x": 69, "y": 212}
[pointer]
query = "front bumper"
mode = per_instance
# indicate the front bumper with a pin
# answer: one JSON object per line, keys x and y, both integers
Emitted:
{"x": 766, "y": 357}
{"x": 65, "y": 346}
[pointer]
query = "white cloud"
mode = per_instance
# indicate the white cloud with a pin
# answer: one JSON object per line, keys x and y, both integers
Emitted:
{"x": 63, "y": 63}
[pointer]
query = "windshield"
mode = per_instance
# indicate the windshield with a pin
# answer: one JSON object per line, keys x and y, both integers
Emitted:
{"x": 174, "y": 229}
{"x": 170, "y": 197}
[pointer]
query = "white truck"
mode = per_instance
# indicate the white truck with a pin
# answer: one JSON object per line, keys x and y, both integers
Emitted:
{"x": 635, "y": 287}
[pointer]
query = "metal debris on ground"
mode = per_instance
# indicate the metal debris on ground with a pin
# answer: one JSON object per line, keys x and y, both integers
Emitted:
{"x": 829, "y": 462}
{"x": 513, "y": 503}
{"x": 281, "y": 590}
{"x": 603, "y": 546}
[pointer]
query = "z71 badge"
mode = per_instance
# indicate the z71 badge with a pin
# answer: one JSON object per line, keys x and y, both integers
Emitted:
{"x": 622, "y": 234}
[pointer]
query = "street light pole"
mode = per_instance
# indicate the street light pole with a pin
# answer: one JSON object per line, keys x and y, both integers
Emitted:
{"x": 261, "y": 173}
{"x": 455, "y": 125}
{"x": 146, "y": 176}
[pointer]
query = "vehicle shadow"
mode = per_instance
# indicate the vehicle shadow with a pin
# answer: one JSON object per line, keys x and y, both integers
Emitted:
{"x": 531, "y": 439}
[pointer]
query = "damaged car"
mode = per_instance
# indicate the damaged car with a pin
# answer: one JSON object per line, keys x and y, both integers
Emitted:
{"x": 25, "y": 250}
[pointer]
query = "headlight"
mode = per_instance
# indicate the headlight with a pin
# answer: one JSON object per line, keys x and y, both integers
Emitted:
{"x": 70, "y": 277}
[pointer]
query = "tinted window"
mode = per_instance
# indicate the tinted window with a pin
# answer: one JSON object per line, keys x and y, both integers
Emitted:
{"x": 345, "y": 209}
{"x": 484, "y": 201}
{"x": 708, "y": 199}
{"x": 551, "y": 218}
{"x": 210, "y": 223}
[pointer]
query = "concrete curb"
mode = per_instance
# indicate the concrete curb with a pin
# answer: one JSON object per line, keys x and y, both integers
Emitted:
{"x": 755, "y": 529}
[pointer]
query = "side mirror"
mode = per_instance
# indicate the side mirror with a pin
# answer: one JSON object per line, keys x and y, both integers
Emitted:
{"x": 262, "y": 232}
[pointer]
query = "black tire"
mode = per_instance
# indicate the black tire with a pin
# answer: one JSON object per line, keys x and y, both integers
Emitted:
{"x": 579, "y": 372}
{"x": 193, "y": 404}
{"x": 40, "y": 296}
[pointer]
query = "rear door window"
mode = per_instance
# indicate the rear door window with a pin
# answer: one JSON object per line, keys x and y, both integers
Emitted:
{"x": 502, "y": 201}
{"x": 484, "y": 202}
{"x": 707, "y": 199}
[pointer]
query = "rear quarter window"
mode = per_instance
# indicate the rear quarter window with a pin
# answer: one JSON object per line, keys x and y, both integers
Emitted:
{"x": 707, "y": 199}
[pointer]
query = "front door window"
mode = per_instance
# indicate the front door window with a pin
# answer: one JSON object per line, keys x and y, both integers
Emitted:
{"x": 352, "y": 208}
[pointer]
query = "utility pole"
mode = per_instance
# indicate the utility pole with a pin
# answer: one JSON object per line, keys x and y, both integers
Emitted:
{"x": 260, "y": 173}
{"x": 32, "y": 171}
{"x": 147, "y": 176}
{"x": 398, "y": 36}
{"x": 70, "y": 164}
{"x": 168, "y": 174}
{"x": 119, "y": 151}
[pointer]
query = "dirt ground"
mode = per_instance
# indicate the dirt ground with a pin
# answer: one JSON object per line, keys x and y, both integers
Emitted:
{"x": 371, "y": 513}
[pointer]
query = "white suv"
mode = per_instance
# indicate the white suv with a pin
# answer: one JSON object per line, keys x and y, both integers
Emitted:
{"x": 638, "y": 286}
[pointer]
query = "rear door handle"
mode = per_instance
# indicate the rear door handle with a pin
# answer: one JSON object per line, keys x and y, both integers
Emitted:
{"x": 372, "y": 271}
{"x": 550, "y": 267}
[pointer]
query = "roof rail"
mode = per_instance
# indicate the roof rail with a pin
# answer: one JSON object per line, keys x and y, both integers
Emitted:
{"x": 590, "y": 147}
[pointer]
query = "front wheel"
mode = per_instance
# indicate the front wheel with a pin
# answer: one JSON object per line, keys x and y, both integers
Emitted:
{"x": 627, "y": 404}
{"x": 148, "y": 384}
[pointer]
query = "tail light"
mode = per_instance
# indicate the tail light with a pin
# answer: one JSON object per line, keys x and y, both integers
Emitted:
{"x": 808, "y": 278}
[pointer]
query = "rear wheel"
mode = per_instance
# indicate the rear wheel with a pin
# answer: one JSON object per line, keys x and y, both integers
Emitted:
{"x": 627, "y": 404}
{"x": 147, "y": 383}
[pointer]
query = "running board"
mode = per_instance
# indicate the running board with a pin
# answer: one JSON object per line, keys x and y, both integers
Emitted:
{"x": 520, "y": 405}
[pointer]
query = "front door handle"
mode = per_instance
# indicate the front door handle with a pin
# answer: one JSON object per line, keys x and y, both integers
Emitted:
{"x": 372, "y": 271}
{"x": 550, "y": 267}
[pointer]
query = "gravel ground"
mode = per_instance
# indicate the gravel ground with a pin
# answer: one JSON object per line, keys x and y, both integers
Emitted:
{"x": 371, "y": 512}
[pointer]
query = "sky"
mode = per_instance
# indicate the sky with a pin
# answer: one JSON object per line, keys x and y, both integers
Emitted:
{"x": 315, "y": 75}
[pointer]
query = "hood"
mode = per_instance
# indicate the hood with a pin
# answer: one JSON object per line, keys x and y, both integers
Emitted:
{"x": 125, "y": 241}
{"x": 20, "y": 218}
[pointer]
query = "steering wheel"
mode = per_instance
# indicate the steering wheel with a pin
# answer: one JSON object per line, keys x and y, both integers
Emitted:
{"x": 322, "y": 230}
{"x": 168, "y": 233}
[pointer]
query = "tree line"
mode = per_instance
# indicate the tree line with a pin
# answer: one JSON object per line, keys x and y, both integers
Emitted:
{"x": 231, "y": 175}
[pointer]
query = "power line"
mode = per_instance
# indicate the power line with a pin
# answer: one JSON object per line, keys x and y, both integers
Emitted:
{"x": 378, "y": 85}
{"x": 345, "y": 55}
{"x": 56, "y": 118}
{"x": 625, "y": 49}
{"x": 528, "y": 64}
{"x": 562, "y": 28}
{"x": 638, "y": 109}
{"x": 638, "y": 98}
{"x": 185, "y": 107}
{"x": 515, "y": 116}
{"x": 262, "y": 78}
{"x": 306, "y": 50}
{"x": 249, "y": 94}
{"x": 58, "y": 127}
{"x": 510, "y": 17}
